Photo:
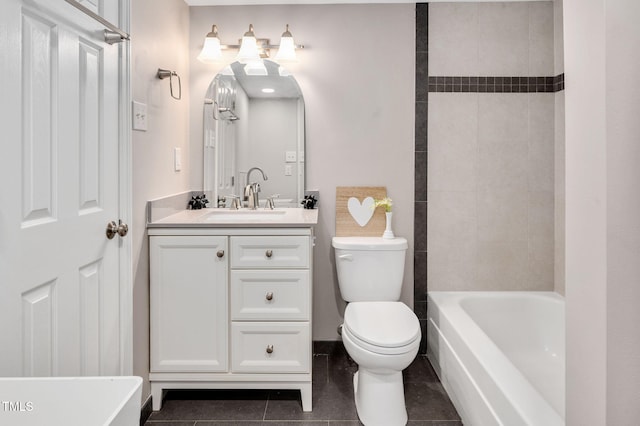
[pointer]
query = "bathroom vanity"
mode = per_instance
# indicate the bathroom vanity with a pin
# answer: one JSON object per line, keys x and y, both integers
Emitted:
{"x": 231, "y": 297}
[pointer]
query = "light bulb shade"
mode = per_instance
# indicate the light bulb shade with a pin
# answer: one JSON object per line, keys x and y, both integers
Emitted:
{"x": 211, "y": 51}
{"x": 248, "y": 50}
{"x": 287, "y": 50}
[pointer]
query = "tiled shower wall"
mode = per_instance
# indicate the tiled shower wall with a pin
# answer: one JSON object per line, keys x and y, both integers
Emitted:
{"x": 485, "y": 84}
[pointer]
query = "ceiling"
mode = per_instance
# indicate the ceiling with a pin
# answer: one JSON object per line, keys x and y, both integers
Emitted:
{"x": 256, "y": 2}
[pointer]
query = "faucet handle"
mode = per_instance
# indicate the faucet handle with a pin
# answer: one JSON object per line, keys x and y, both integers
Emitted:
{"x": 270, "y": 205}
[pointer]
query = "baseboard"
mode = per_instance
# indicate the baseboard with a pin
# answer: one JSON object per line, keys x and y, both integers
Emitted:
{"x": 145, "y": 411}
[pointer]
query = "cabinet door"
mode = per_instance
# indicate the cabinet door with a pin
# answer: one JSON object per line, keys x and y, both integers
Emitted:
{"x": 189, "y": 303}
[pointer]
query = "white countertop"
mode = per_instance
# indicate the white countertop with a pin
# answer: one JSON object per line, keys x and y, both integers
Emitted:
{"x": 226, "y": 218}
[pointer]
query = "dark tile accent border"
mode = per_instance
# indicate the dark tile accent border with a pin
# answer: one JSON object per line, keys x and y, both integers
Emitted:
{"x": 461, "y": 84}
{"x": 420, "y": 173}
{"x": 558, "y": 82}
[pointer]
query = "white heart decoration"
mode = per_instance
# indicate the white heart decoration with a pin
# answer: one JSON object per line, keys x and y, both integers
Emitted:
{"x": 362, "y": 213}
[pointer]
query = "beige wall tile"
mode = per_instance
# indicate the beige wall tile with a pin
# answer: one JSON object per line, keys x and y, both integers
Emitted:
{"x": 502, "y": 265}
{"x": 502, "y": 164}
{"x": 502, "y": 215}
{"x": 452, "y": 142}
{"x": 541, "y": 214}
{"x": 541, "y": 39}
{"x": 500, "y": 148}
{"x": 541, "y": 266}
{"x": 451, "y": 217}
{"x": 453, "y": 39}
{"x": 502, "y": 116}
{"x": 503, "y": 39}
{"x": 452, "y": 266}
{"x": 541, "y": 141}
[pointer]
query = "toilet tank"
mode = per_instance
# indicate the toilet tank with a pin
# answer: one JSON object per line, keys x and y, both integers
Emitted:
{"x": 370, "y": 268}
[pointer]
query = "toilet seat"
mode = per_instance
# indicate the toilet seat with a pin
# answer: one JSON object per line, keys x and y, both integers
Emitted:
{"x": 387, "y": 328}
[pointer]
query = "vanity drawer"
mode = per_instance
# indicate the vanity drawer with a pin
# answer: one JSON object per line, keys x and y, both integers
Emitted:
{"x": 276, "y": 347}
{"x": 267, "y": 252}
{"x": 270, "y": 295}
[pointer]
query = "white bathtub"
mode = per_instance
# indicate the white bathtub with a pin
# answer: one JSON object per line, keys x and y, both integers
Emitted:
{"x": 500, "y": 355}
{"x": 69, "y": 401}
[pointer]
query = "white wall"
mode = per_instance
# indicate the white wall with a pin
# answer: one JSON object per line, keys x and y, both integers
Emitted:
{"x": 623, "y": 210}
{"x": 159, "y": 33}
{"x": 602, "y": 61}
{"x": 357, "y": 77}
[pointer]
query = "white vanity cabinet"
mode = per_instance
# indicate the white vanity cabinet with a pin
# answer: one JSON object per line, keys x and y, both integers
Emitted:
{"x": 231, "y": 309}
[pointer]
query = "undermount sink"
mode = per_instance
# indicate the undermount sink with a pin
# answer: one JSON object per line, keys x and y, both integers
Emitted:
{"x": 243, "y": 214}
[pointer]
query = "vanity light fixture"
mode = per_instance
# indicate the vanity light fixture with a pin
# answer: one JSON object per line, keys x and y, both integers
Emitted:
{"x": 268, "y": 90}
{"x": 251, "y": 49}
{"x": 287, "y": 49}
{"x": 211, "y": 51}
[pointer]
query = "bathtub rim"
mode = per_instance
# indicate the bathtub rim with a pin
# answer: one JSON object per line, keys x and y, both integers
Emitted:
{"x": 475, "y": 350}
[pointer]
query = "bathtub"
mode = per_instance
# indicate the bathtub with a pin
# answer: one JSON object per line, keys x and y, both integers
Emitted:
{"x": 500, "y": 355}
{"x": 69, "y": 401}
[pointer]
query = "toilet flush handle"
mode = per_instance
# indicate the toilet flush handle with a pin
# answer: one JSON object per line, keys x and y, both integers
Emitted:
{"x": 346, "y": 257}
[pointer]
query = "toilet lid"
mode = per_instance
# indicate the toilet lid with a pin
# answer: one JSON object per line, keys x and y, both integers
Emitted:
{"x": 385, "y": 324}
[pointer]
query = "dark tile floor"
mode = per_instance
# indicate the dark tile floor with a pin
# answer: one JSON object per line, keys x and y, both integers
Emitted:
{"x": 333, "y": 405}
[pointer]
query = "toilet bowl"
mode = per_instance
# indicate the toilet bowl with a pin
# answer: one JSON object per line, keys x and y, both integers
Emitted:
{"x": 381, "y": 334}
{"x": 383, "y": 339}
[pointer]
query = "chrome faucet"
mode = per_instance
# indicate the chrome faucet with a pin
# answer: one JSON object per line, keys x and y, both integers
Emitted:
{"x": 252, "y": 189}
{"x": 264, "y": 177}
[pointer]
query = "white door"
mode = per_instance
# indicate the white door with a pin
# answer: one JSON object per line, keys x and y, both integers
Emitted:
{"x": 60, "y": 295}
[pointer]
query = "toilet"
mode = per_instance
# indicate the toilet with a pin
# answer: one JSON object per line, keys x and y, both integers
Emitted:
{"x": 380, "y": 333}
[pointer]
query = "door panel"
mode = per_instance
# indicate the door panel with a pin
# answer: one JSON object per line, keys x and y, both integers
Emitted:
{"x": 59, "y": 275}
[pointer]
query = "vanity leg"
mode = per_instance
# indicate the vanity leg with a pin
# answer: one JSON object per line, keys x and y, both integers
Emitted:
{"x": 157, "y": 394}
{"x": 305, "y": 396}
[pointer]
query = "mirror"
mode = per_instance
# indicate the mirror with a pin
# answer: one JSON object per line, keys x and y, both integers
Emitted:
{"x": 254, "y": 121}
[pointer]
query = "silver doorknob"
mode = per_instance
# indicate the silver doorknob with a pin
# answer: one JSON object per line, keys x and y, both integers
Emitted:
{"x": 114, "y": 228}
{"x": 270, "y": 349}
{"x": 269, "y": 296}
{"x": 269, "y": 253}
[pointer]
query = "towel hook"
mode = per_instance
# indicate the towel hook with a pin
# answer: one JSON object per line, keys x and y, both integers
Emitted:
{"x": 162, "y": 74}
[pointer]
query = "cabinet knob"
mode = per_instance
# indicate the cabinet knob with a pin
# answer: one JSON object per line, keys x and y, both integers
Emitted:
{"x": 269, "y": 296}
{"x": 269, "y": 253}
{"x": 270, "y": 349}
{"x": 220, "y": 253}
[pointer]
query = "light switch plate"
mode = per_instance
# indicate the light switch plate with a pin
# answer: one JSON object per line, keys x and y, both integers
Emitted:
{"x": 288, "y": 170}
{"x": 139, "y": 112}
{"x": 177, "y": 159}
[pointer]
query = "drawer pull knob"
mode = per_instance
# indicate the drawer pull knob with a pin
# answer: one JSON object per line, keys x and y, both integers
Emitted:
{"x": 269, "y": 253}
{"x": 269, "y": 296}
{"x": 220, "y": 253}
{"x": 270, "y": 349}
